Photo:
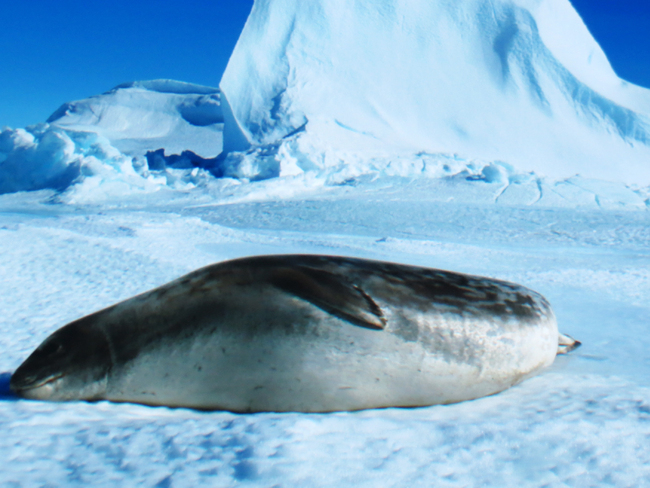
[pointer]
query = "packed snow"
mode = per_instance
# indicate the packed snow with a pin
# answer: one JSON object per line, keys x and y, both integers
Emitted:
{"x": 441, "y": 134}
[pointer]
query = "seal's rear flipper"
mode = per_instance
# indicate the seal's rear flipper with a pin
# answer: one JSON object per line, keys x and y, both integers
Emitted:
{"x": 566, "y": 344}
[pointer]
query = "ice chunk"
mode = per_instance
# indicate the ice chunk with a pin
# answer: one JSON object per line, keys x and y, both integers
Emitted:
{"x": 36, "y": 159}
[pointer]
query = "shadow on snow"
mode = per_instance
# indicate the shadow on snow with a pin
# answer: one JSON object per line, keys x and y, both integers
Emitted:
{"x": 5, "y": 391}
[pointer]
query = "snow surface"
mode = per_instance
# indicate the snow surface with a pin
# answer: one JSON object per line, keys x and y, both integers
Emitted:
{"x": 520, "y": 81}
{"x": 583, "y": 422}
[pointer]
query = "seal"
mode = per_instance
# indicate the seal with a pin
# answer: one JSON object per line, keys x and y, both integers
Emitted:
{"x": 302, "y": 333}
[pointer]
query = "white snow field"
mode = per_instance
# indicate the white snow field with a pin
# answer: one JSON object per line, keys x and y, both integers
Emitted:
{"x": 583, "y": 422}
{"x": 488, "y": 137}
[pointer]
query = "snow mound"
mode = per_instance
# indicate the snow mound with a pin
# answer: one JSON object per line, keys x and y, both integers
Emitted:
{"x": 145, "y": 116}
{"x": 520, "y": 81}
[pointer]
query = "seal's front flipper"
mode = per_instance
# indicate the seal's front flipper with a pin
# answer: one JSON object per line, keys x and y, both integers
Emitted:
{"x": 566, "y": 344}
{"x": 331, "y": 293}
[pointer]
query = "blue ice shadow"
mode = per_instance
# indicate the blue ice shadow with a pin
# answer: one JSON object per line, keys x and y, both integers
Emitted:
{"x": 5, "y": 391}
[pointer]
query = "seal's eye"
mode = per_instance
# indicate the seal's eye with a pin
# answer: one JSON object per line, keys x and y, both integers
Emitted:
{"x": 51, "y": 348}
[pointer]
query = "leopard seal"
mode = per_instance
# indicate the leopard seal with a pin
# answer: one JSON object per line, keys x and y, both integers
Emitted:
{"x": 303, "y": 333}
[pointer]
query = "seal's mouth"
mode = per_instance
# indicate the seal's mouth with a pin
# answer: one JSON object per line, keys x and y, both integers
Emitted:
{"x": 25, "y": 384}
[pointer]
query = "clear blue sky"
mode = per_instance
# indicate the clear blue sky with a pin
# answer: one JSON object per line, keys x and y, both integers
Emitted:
{"x": 57, "y": 51}
{"x": 622, "y": 28}
{"x": 54, "y": 51}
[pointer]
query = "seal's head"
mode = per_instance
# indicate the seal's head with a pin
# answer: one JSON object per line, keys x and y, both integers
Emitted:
{"x": 71, "y": 364}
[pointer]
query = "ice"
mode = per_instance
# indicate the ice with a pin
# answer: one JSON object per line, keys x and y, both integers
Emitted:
{"x": 517, "y": 81}
{"x": 515, "y": 95}
{"x": 43, "y": 157}
{"x": 107, "y": 144}
{"x": 148, "y": 115}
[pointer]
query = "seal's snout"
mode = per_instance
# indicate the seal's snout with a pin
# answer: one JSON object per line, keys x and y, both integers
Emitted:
{"x": 26, "y": 378}
{"x": 21, "y": 379}
{"x": 33, "y": 387}
{"x": 70, "y": 364}
{"x": 17, "y": 382}
{"x": 40, "y": 367}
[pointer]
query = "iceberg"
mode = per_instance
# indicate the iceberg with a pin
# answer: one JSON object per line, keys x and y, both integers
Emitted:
{"x": 144, "y": 116}
{"x": 114, "y": 139}
{"x": 36, "y": 159}
{"x": 520, "y": 81}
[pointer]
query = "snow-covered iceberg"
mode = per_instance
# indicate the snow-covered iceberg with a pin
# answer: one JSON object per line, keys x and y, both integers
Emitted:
{"x": 35, "y": 159}
{"x": 144, "y": 116}
{"x": 521, "y": 81}
{"x": 113, "y": 140}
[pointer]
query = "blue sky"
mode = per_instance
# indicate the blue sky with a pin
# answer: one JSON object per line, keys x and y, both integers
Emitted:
{"x": 57, "y": 51}
{"x": 622, "y": 28}
{"x": 52, "y": 52}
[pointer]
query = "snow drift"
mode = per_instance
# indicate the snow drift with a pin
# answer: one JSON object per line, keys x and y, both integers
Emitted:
{"x": 516, "y": 80}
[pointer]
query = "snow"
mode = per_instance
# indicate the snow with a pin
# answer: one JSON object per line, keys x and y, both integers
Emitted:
{"x": 441, "y": 134}
{"x": 114, "y": 139}
{"x": 583, "y": 422}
